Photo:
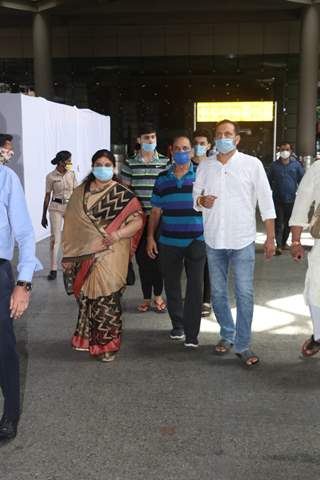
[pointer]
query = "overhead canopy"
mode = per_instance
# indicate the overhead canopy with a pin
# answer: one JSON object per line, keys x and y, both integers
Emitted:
{"x": 73, "y": 7}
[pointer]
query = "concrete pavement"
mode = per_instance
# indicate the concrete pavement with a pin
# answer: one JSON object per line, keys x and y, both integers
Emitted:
{"x": 159, "y": 412}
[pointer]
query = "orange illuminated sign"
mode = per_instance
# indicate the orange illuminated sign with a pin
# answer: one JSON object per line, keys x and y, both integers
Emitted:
{"x": 235, "y": 111}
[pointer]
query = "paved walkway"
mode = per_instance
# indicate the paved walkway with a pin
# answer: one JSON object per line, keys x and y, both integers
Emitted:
{"x": 160, "y": 412}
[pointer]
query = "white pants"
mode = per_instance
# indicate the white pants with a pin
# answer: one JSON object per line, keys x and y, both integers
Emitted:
{"x": 315, "y": 316}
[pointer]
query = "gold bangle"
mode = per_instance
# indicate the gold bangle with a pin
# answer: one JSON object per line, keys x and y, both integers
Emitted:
{"x": 199, "y": 201}
{"x": 295, "y": 244}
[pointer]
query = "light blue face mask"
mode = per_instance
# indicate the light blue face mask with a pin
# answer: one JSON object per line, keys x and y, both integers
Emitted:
{"x": 103, "y": 173}
{"x": 225, "y": 145}
{"x": 200, "y": 150}
{"x": 149, "y": 147}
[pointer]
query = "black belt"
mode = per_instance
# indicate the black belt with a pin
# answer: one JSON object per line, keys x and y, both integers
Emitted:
{"x": 59, "y": 200}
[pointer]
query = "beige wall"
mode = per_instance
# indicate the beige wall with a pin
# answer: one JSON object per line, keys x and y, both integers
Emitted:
{"x": 218, "y": 39}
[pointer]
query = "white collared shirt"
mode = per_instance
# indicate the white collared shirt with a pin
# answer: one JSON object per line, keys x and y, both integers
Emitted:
{"x": 238, "y": 185}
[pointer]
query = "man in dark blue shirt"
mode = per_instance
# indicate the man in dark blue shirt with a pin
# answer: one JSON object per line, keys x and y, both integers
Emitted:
{"x": 181, "y": 243}
{"x": 284, "y": 176}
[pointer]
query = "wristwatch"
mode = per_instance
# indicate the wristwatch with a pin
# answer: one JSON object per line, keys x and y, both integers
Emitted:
{"x": 26, "y": 285}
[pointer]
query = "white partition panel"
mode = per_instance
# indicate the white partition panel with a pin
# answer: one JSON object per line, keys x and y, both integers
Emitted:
{"x": 41, "y": 129}
{"x": 11, "y": 122}
{"x": 91, "y": 131}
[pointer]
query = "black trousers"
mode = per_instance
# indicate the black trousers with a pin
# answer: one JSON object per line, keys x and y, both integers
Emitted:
{"x": 9, "y": 361}
{"x": 283, "y": 212}
{"x": 185, "y": 316}
{"x": 149, "y": 269}
{"x": 206, "y": 285}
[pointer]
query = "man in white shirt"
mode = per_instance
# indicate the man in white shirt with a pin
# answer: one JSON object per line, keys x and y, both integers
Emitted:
{"x": 227, "y": 189}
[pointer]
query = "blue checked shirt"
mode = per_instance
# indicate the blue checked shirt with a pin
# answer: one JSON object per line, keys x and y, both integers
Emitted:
{"x": 15, "y": 224}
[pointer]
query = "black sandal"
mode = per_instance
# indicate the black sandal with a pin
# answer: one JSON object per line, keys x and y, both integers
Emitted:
{"x": 310, "y": 347}
{"x": 247, "y": 358}
{"x": 206, "y": 310}
{"x": 223, "y": 343}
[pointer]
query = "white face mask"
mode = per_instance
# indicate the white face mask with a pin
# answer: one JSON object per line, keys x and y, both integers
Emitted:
{"x": 285, "y": 154}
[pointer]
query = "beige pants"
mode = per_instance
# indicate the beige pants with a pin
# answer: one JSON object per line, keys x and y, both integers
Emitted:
{"x": 56, "y": 222}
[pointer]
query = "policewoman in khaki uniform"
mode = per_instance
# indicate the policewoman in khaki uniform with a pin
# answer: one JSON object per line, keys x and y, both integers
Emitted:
{"x": 60, "y": 184}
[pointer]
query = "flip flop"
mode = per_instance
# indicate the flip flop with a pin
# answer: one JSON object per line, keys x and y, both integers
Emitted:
{"x": 223, "y": 343}
{"x": 144, "y": 307}
{"x": 248, "y": 356}
{"x": 206, "y": 310}
{"x": 108, "y": 357}
{"x": 310, "y": 347}
{"x": 160, "y": 307}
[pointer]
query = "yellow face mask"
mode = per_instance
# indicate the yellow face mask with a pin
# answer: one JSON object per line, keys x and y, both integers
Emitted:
{"x": 69, "y": 167}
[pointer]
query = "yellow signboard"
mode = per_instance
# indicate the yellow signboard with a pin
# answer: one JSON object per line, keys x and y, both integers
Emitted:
{"x": 235, "y": 111}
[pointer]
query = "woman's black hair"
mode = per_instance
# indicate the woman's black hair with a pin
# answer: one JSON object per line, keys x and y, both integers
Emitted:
{"x": 5, "y": 137}
{"x": 103, "y": 153}
{"x": 99, "y": 154}
{"x": 61, "y": 157}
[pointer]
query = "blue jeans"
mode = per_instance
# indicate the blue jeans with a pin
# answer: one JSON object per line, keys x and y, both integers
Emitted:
{"x": 241, "y": 262}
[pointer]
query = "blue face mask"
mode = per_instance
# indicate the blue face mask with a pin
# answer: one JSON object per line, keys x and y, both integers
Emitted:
{"x": 103, "y": 173}
{"x": 200, "y": 150}
{"x": 225, "y": 145}
{"x": 149, "y": 147}
{"x": 181, "y": 158}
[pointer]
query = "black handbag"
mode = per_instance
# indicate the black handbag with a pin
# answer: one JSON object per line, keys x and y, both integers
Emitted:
{"x": 131, "y": 276}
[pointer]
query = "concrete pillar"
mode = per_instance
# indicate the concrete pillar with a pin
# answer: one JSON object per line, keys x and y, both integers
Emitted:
{"x": 42, "y": 68}
{"x": 308, "y": 88}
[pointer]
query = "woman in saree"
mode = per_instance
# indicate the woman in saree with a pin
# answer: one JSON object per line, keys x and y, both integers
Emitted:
{"x": 102, "y": 228}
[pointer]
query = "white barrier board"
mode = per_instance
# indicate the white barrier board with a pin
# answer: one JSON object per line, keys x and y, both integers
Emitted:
{"x": 40, "y": 129}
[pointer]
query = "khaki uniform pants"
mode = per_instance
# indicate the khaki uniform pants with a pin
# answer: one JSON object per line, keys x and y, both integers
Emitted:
{"x": 56, "y": 222}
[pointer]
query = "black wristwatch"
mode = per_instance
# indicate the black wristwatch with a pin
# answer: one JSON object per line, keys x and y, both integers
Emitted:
{"x": 26, "y": 285}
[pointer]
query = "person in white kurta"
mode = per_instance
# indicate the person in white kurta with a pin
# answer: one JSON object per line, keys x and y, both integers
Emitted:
{"x": 308, "y": 193}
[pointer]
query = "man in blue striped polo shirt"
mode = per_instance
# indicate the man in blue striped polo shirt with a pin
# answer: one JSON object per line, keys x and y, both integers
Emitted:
{"x": 140, "y": 174}
{"x": 181, "y": 242}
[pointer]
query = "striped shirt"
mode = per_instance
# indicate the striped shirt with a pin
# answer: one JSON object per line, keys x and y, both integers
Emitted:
{"x": 180, "y": 223}
{"x": 141, "y": 176}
